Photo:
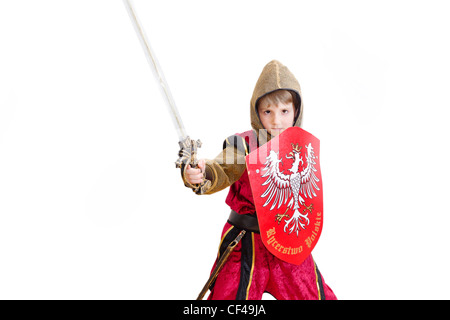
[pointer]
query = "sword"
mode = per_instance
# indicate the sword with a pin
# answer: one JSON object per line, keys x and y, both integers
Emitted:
{"x": 188, "y": 147}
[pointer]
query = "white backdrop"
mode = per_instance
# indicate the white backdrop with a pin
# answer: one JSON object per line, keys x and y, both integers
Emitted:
{"x": 91, "y": 206}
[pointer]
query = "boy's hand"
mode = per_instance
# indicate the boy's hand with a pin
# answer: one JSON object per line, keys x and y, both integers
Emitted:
{"x": 196, "y": 175}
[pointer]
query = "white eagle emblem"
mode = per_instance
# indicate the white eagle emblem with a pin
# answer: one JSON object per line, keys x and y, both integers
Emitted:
{"x": 281, "y": 187}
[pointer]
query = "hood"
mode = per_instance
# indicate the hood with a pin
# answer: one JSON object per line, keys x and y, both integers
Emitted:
{"x": 275, "y": 76}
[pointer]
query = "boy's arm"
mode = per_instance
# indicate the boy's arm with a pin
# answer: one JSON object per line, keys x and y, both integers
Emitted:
{"x": 227, "y": 167}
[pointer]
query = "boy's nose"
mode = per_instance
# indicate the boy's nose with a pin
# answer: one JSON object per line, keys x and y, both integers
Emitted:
{"x": 276, "y": 119}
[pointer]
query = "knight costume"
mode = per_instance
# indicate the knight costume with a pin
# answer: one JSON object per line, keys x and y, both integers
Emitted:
{"x": 251, "y": 269}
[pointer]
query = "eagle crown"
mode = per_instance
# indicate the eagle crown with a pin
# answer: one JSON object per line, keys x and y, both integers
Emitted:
{"x": 295, "y": 154}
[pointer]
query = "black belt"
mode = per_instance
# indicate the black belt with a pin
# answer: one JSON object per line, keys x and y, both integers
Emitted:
{"x": 244, "y": 221}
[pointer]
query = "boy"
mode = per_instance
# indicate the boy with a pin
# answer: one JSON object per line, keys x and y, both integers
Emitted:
{"x": 251, "y": 269}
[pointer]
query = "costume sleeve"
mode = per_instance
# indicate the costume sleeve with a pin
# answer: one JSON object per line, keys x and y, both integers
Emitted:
{"x": 228, "y": 166}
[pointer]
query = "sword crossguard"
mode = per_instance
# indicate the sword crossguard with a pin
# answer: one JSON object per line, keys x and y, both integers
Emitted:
{"x": 188, "y": 156}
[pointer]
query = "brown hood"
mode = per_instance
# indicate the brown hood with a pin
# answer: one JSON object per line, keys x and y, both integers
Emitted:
{"x": 275, "y": 76}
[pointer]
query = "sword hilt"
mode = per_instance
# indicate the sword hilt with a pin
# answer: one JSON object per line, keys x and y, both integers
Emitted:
{"x": 188, "y": 156}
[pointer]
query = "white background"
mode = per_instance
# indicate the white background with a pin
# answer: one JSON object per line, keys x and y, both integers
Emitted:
{"x": 91, "y": 206}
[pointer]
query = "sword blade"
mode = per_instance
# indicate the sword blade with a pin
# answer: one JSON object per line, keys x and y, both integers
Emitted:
{"x": 157, "y": 71}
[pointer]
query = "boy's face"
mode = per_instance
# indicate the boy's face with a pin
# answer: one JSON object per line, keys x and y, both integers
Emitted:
{"x": 276, "y": 117}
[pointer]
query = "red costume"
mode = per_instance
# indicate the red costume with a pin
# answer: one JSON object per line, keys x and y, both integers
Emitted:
{"x": 251, "y": 269}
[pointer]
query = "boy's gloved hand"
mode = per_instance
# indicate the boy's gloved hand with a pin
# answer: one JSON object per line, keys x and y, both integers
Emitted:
{"x": 196, "y": 175}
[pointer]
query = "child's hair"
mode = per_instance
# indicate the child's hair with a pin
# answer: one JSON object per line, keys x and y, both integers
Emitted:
{"x": 275, "y": 97}
{"x": 280, "y": 96}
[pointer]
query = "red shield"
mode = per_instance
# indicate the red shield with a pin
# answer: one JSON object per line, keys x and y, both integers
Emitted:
{"x": 286, "y": 184}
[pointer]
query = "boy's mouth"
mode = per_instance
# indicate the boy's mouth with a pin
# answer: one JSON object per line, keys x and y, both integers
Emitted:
{"x": 276, "y": 131}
